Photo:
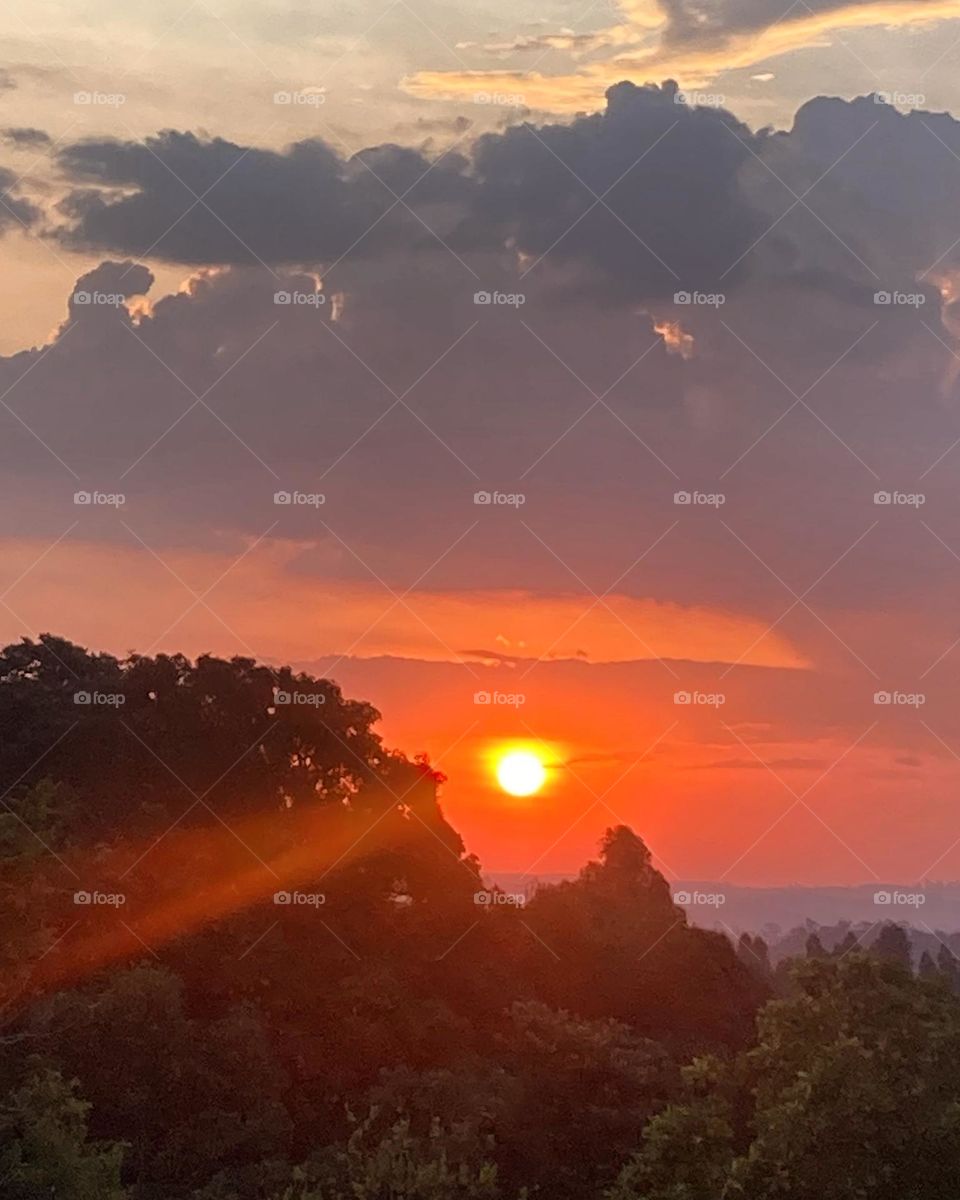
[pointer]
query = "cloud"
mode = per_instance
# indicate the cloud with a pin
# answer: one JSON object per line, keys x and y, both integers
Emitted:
{"x": 389, "y": 391}
{"x": 680, "y": 219}
{"x": 649, "y": 197}
{"x": 187, "y": 199}
{"x": 25, "y": 137}
{"x": 693, "y": 42}
{"x": 15, "y": 212}
{"x": 361, "y": 622}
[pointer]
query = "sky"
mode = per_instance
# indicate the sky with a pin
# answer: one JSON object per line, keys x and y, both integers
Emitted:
{"x": 575, "y": 379}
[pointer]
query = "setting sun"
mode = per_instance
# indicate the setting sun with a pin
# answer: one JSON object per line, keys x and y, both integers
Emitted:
{"x": 521, "y": 773}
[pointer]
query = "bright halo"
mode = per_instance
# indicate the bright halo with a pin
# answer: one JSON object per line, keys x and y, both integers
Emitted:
{"x": 521, "y": 773}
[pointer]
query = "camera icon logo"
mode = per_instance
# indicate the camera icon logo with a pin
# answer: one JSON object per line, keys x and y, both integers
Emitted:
{"x": 281, "y": 897}
{"x": 481, "y": 698}
{"x": 282, "y": 498}
{"x": 283, "y": 97}
{"x": 881, "y": 298}
{"x": 82, "y": 698}
{"x": 882, "y": 697}
{"x": 682, "y": 698}
{"x": 482, "y": 297}
{"x": 882, "y": 498}
{"x": 82, "y": 498}
{"x": 681, "y": 897}
{"x": 682, "y": 498}
{"x": 882, "y": 898}
{"x": 82, "y": 897}
{"x": 81, "y": 297}
{"x": 482, "y": 498}
{"x": 281, "y": 697}
{"x": 681, "y": 297}
{"x": 282, "y": 297}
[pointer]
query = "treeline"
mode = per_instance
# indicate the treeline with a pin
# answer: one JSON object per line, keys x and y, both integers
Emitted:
{"x": 246, "y": 958}
{"x": 927, "y": 950}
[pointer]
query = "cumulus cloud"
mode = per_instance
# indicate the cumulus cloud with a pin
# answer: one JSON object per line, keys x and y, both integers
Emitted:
{"x": 192, "y": 200}
{"x": 650, "y": 196}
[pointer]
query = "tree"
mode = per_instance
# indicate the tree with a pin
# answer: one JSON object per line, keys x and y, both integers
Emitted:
{"x": 44, "y": 1148}
{"x": 139, "y": 738}
{"x": 857, "y": 1096}
{"x": 687, "y": 1149}
{"x": 613, "y": 943}
{"x": 395, "y": 1164}
{"x": 948, "y": 966}
{"x": 187, "y": 1094}
{"x": 892, "y": 943}
{"x": 558, "y": 1101}
{"x": 815, "y": 947}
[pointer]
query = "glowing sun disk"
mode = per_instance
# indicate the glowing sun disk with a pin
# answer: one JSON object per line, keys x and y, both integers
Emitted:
{"x": 521, "y": 773}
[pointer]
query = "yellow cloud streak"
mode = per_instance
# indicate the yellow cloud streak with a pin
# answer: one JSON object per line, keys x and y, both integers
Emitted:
{"x": 694, "y": 65}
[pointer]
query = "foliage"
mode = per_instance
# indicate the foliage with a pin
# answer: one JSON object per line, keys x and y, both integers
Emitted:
{"x": 44, "y": 1147}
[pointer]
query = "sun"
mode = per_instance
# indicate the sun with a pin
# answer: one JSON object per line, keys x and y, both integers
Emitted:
{"x": 521, "y": 773}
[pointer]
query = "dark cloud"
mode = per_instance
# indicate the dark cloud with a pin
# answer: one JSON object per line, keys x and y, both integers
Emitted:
{"x": 191, "y": 200}
{"x": 14, "y": 210}
{"x": 671, "y": 214}
{"x": 705, "y": 22}
{"x": 646, "y": 198}
{"x": 674, "y": 218}
{"x": 25, "y": 137}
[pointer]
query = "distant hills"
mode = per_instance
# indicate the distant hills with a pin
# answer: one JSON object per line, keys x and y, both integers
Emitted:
{"x": 775, "y": 911}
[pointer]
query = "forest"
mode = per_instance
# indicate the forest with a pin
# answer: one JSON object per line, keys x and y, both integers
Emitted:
{"x": 245, "y": 957}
